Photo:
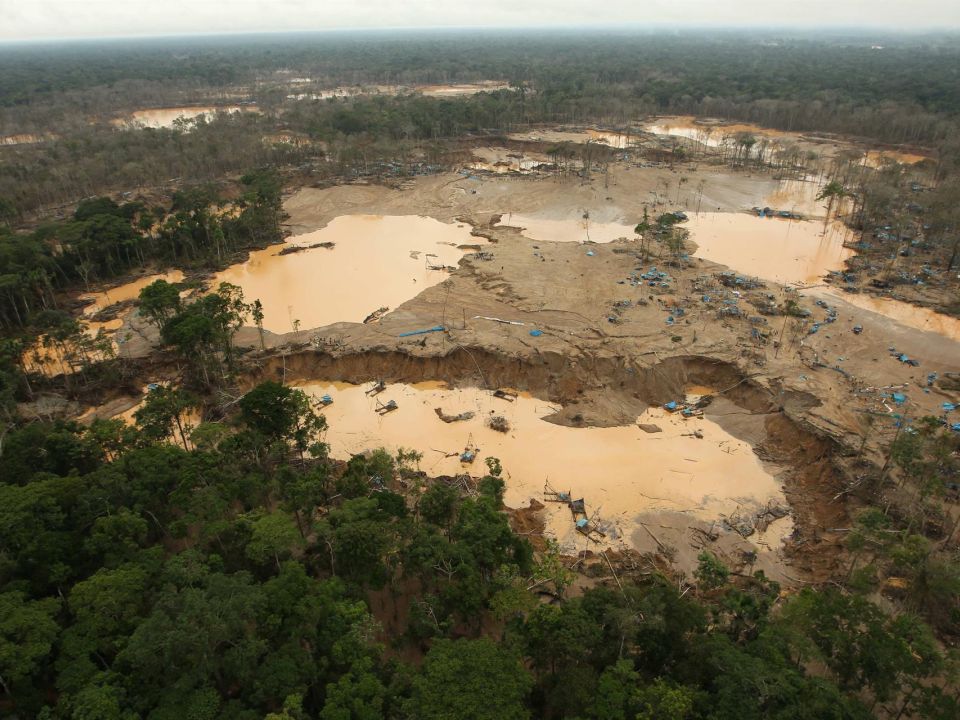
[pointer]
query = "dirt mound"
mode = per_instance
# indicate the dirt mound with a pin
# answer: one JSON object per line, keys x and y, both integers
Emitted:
{"x": 528, "y": 522}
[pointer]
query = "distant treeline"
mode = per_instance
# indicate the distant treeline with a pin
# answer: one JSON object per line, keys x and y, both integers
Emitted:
{"x": 904, "y": 90}
{"x": 922, "y": 70}
{"x": 795, "y": 81}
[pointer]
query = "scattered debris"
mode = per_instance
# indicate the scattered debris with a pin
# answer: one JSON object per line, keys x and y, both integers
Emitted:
{"x": 498, "y": 423}
{"x": 376, "y": 315}
{"x": 498, "y": 320}
{"x": 551, "y": 495}
{"x": 588, "y": 527}
{"x": 467, "y": 415}
{"x": 746, "y": 525}
{"x": 903, "y": 357}
{"x": 300, "y": 248}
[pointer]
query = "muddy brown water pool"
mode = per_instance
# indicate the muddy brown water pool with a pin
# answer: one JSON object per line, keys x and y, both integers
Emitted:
{"x": 914, "y": 316}
{"x": 619, "y": 471}
{"x": 376, "y": 261}
{"x": 571, "y": 229}
{"x": 127, "y": 291}
{"x": 714, "y": 135}
{"x": 46, "y": 359}
{"x": 784, "y": 251}
{"x": 797, "y": 196}
{"x": 779, "y": 250}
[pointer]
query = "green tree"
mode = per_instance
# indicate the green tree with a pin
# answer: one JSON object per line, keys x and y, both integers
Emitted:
{"x": 28, "y": 630}
{"x": 470, "y": 680}
{"x": 710, "y": 572}
{"x": 833, "y": 192}
{"x": 438, "y": 504}
{"x": 357, "y": 695}
{"x": 274, "y": 536}
{"x": 117, "y": 537}
{"x": 292, "y": 709}
{"x": 159, "y": 302}
{"x": 283, "y": 416}
{"x": 616, "y": 695}
{"x": 202, "y": 332}
{"x": 105, "y": 608}
{"x": 163, "y": 410}
{"x": 664, "y": 701}
{"x": 256, "y": 312}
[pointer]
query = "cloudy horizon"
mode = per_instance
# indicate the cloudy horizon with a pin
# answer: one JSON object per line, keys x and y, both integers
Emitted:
{"x": 65, "y": 19}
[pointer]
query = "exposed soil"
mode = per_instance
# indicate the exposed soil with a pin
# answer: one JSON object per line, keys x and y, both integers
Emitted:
{"x": 783, "y": 439}
{"x": 577, "y": 325}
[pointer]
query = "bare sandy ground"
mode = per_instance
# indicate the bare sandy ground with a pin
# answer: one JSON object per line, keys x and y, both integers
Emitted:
{"x": 619, "y": 196}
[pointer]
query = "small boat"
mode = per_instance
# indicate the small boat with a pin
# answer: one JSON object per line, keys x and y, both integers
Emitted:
{"x": 378, "y": 387}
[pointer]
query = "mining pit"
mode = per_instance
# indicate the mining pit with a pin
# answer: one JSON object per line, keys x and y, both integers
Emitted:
{"x": 532, "y": 283}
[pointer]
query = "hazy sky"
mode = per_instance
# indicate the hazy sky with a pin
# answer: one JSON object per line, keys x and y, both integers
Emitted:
{"x": 30, "y": 19}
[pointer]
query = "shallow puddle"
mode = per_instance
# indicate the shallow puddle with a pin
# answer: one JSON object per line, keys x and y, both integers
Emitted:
{"x": 707, "y": 135}
{"x": 919, "y": 318}
{"x": 501, "y": 160}
{"x": 715, "y": 135}
{"x": 797, "y": 196}
{"x": 784, "y": 251}
{"x": 506, "y": 166}
{"x": 48, "y": 360}
{"x": 376, "y": 261}
{"x": 576, "y": 229}
{"x": 620, "y": 472}
{"x": 127, "y": 291}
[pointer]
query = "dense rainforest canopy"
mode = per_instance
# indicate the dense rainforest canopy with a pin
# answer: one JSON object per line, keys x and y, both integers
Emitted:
{"x": 233, "y": 575}
{"x": 746, "y": 65}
